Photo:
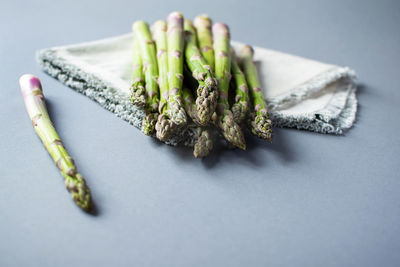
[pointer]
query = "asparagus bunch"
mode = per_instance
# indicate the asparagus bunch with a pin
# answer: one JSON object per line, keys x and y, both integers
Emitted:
{"x": 147, "y": 50}
{"x": 35, "y": 105}
{"x": 258, "y": 122}
{"x": 200, "y": 56}
{"x": 175, "y": 42}
{"x": 206, "y": 92}
{"x": 224, "y": 117}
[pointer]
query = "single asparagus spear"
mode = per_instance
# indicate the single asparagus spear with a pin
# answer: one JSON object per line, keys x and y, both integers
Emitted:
{"x": 241, "y": 105}
{"x": 36, "y": 107}
{"x": 207, "y": 95}
{"x": 258, "y": 122}
{"x": 164, "y": 126}
{"x": 175, "y": 68}
{"x": 138, "y": 92}
{"x": 204, "y": 36}
{"x": 203, "y": 144}
{"x": 142, "y": 33}
{"x": 224, "y": 117}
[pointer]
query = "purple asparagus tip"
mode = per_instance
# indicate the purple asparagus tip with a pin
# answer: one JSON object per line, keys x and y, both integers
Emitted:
{"x": 175, "y": 18}
{"x": 28, "y": 83}
{"x": 220, "y": 29}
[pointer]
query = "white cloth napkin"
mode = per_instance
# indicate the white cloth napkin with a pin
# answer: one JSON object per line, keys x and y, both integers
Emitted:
{"x": 301, "y": 93}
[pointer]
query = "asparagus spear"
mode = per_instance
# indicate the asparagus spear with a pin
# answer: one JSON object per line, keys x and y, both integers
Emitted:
{"x": 203, "y": 27}
{"x": 241, "y": 105}
{"x": 258, "y": 122}
{"x": 149, "y": 60}
{"x": 36, "y": 107}
{"x": 175, "y": 67}
{"x": 164, "y": 126}
{"x": 203, "y": 144}
{"x": 138, "y": 92}
{"x": 224, "y": 117}
{"x": 206, "y": 92}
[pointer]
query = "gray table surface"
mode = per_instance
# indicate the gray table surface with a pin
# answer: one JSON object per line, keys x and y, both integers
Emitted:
{"x": 306, "y": 200}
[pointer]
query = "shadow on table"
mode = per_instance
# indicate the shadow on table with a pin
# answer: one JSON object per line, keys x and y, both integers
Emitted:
{"x": 363, "y": 90}
{"x": 252, "y": 157}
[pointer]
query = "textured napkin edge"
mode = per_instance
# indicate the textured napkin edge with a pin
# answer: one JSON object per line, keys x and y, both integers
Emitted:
{"x": 335, "y": 118}
{"x": 322, "y": 123}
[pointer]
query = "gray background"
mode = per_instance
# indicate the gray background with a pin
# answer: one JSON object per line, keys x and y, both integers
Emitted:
{"x": 306, "y": 200}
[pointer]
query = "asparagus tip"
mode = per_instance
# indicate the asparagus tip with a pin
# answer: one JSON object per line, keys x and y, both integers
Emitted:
{"x": 138, "y": 97}
{"x": 149, "y": 123}
{"x": 247, "y": 51}
{"x": 203, "y": 145}
{"x": 164, "y": 127}
{"x": 160, "y": 23}
{"x": 260, "y": 125}
{"x": 239, "y": 111}
{"x": 202, "y": 18}
{"x": 220, "y": 29}
{"x": 231, "y": 130}
{"x": 175, "y": 16}
{"x": 206, "y": 102}
{"x": 80, "y": 192}
{"x": 177, "y": 113}
{"x": 138, "y": 23}
{"x": 28, "y": 83}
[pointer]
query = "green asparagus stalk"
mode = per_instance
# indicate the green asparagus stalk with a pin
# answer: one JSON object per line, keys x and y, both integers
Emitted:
{"x": 204, "y": 36}
{"x": 258, "y": 122}
{"x": 142, "y": 33}
{"x": 160, "y": 37}
{"x": 224, "y": 117}
{"x": 203, "y": 144}
{"x": 175, "y": 67}
{"x": 164, "y": 126}
{"x": 206, "y": 92}
{"x": 36, "y": 107}
{"x": 138, "y": 92}
{"x": 241, "y": 105}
